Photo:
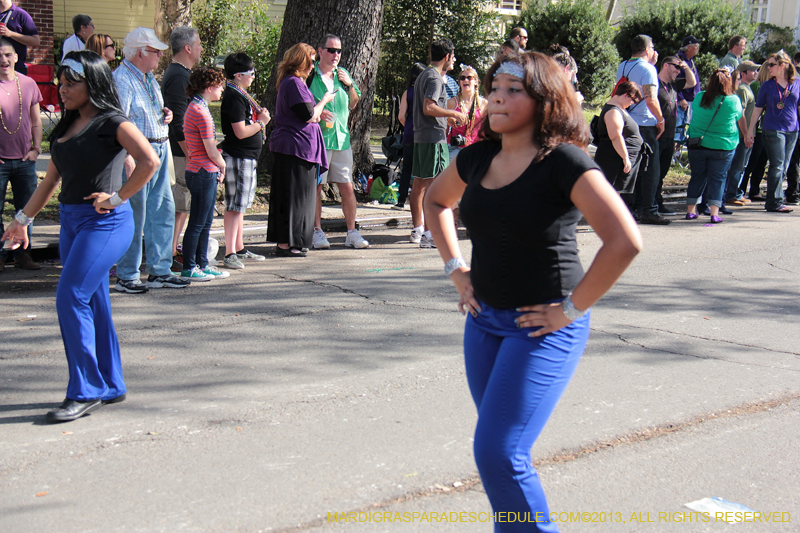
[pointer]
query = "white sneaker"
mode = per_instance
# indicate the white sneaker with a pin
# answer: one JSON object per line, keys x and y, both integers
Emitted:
{"x": 425, "y": 242}
{"x": 415, "y": 237}
{"x": 320, "y": 242}
{"x": 355, "y": 240}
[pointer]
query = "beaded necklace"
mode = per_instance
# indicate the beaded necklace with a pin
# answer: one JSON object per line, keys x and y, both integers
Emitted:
{"x": 471, "y": 119}
{"x": 2, "y": 120}
{"x": 781, "y": 97}
{"x": 253, "y": 104}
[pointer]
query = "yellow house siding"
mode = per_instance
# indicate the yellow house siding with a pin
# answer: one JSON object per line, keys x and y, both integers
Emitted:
{"x": 276, "y": 8}
{"x": 113, "y": 17}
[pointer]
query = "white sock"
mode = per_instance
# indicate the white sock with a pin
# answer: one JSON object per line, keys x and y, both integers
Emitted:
{"x": 419, "y": 230}
{"x": 428, "y": 235}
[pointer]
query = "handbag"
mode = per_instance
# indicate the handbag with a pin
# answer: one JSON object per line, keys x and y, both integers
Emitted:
{"x": 696, "y": 142}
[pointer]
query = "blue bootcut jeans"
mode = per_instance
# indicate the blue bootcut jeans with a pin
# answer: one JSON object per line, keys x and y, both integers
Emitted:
{"x": 779, "y": 146}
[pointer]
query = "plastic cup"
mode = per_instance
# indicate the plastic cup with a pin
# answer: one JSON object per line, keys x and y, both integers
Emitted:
{"x": 330, "y": 121}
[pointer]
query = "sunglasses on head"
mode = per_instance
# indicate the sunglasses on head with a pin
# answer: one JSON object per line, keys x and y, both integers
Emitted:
{"x": 334, "y": 50}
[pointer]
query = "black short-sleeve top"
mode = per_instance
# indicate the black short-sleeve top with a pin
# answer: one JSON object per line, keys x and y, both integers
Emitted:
{"x": 524, "y": 250}
{"x": 86, "y": 160}
{"x": 236, "y": 108}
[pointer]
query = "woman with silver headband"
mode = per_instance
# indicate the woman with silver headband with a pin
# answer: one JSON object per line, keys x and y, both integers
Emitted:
{"x": 87, "y": 148}
{"x": 527, "y": 297}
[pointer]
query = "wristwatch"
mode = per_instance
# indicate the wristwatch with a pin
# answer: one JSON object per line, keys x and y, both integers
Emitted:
{"x": 569, "y": 309}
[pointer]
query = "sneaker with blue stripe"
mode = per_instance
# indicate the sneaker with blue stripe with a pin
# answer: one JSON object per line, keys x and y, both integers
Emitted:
{"x": 195, "y": 274}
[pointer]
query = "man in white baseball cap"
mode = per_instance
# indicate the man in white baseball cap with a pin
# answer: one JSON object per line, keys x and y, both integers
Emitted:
{"x": 153, "y": 206}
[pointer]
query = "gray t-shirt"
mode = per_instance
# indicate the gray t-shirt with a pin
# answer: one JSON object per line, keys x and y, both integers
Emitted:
{"x": 745, "y": 94}
{"x": 427, "y": 129}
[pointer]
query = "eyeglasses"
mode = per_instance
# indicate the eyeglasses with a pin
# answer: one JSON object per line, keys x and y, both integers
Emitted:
{"x": 334, "y": 50}
{"x": 250, "y": 73}
{"x": 462, "y": 78}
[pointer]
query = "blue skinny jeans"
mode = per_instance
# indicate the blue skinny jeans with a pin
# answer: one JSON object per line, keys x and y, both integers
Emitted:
{"x": 516, "y": 382}
{"x": 203, "y": 187}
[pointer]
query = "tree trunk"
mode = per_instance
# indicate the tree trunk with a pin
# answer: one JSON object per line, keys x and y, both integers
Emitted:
{"x": 170, "y": 15}
{"x": 358, "y": 24}
{"x": 612, "y": 5}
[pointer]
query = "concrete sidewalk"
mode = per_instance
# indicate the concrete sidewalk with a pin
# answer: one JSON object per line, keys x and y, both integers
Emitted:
{"x": 335, "y": 383}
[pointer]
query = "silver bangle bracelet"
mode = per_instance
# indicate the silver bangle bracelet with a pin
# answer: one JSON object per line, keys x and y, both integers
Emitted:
{"x": 115, "y": 200}
{"x": 453, "y": 265}
{"x": 569, "y": 309}
{"x": 23, "y": 219}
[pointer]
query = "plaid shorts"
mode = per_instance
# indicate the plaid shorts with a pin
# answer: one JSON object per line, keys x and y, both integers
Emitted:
{"x": 240, "y": 183}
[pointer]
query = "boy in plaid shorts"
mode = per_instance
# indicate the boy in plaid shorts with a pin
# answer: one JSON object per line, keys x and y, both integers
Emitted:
{"x": 243, "y": 122}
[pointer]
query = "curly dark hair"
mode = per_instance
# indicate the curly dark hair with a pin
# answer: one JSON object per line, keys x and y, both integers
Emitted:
{"x": 202, "y": 78}
{"x": 557, "y": 116}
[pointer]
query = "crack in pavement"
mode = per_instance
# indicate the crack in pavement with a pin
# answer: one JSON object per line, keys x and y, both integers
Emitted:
{"x": 741, "y": 344}
{"x": 706, "y": 357}
{"x": 566, "y": 455}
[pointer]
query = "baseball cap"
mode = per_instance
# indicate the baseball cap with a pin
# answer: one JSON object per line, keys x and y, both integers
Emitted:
{"x": 746, "y": 66}
{"x": 691, "y": 39}
{"x": 141, "y": 37}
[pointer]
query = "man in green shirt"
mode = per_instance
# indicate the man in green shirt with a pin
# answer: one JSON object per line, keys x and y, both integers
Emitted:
{"x": 748, "y": 72}
{"x": 736, "y": 46}
{"x": 326, "y": 77}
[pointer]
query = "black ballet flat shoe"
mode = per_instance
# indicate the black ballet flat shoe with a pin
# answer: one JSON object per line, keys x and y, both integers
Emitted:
{"x": 118, "y": 399}
{"x": 289, "y": 252}
{"x": 72, "y": 410}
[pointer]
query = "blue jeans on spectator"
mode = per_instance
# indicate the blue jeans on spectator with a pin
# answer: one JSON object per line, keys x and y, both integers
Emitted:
{"x": 779, "y": 146}
{"x": 683, "y": 120}
{"x": 741, "y": 156}
{"x": 22, "y": 176}
{"x": 709, "y": 172}
{"x": 202, "y": 186}
{"x": 153, "y": 214}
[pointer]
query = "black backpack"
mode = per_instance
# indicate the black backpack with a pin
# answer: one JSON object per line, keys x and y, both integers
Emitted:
{"x": 392, "y": 143}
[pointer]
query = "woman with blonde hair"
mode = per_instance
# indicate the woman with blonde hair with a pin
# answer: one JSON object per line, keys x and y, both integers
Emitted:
{"x": 469, "y": 101}
{"x": 298, "y": 154}
{"x": 527, "y": 297}
{"x": 102, "y": 45}
{"x": 779, "y": 97}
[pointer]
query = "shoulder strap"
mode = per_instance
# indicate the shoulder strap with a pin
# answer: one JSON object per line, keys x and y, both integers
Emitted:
{"x": 713, "y": 117}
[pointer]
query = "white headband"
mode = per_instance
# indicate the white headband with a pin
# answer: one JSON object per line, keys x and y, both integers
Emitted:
{"x": 74, "y": 65}
{"x": 512, "y": 69}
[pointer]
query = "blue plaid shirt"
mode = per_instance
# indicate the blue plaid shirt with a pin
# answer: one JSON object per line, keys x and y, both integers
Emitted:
{"x": 141, "y": 100}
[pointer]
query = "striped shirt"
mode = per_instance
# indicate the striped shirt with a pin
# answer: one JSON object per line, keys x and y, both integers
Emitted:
{"x": 141, "y": 100}
{"x": 198, "y": 125}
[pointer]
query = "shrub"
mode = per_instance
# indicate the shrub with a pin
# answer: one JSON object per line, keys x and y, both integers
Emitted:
{"x": 581, "y": 26}
{"x": 668, "y": 22}
{"x": 225, "y": 27}
{"x": 770, "y": 39}
{"x": 410, "y": 25}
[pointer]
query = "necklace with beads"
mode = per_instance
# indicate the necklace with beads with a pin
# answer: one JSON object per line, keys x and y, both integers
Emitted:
{"x": 2, "y": 120}
{"x": 181, "y": 64}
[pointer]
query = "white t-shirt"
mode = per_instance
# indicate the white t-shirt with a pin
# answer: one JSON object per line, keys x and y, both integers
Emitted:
{"x": 72, "y": 43}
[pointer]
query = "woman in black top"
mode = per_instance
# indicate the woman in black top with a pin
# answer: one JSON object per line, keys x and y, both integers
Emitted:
{"x": 528, "y": 299}
{"x": 619, "y": 144}
{"x": 88, "y": 148}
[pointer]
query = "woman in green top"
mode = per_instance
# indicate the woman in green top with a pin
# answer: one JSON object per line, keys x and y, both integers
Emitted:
{"x": 716, "y": 112}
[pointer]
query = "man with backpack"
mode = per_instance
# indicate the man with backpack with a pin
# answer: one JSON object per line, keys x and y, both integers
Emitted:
{"x": 647, "y": 114}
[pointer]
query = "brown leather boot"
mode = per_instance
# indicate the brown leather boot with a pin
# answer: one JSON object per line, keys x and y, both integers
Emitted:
{"x": 25, "y": 261}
